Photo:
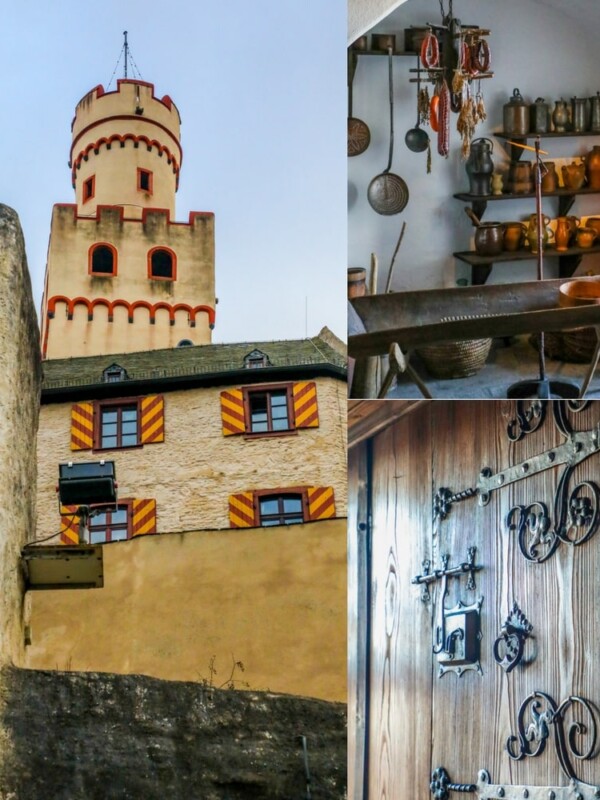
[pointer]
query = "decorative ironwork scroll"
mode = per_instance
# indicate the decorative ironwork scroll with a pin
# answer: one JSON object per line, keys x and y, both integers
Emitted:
{"x": 509, "y": 646}
{"x": 530, "y": 416}
{"x": 537, "y": 714}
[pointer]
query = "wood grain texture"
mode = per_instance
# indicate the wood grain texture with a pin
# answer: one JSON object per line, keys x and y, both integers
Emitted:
{"x": 400, "y": 645}
{"x": 358, "y": 541}
{"x": 419, "y": 721}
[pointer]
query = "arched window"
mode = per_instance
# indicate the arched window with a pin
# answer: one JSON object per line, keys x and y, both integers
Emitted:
{"x": 102, "y": 260}
{"x": 185, "y": 343}
{"x": 162, "y": 264}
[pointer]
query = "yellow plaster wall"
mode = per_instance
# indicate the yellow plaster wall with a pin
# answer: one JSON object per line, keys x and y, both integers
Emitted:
{"x": 67, "y": 275}
{"x": 192, "y": 473}
{"x": 273, "y": 598}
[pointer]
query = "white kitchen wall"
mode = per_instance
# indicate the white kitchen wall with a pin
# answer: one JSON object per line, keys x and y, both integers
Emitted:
{"x": 539, "y": 49}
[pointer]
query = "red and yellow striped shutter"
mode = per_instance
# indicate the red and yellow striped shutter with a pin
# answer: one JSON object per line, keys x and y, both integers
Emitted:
{"x": 152, "y": 419}
{"x": 232, "y": 412}
{"x": 82, "y": 426}
{"x": 321, "y": 502}
{"x": 143, "y": 517}
{"x": 69, "y": 525}
{"x": 306, "y": 413}
{"x": 242, "y": 512}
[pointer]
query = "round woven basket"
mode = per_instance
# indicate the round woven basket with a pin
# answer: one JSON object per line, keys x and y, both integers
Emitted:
{"x": 574, "y": 346}
{"x": 455, "y": 359}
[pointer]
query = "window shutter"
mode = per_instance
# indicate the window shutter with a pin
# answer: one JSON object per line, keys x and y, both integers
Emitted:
{"x": 152, "y": 419}
{"x": 321, "y": 502}
{"x": 82, "y": 426}
{"x": 232, "y": 412}
{"x": 143, "y": 517}
{"x": 242, "y": 512}
{"x": 69, "y": 525}
{"x": 306, "y": 413}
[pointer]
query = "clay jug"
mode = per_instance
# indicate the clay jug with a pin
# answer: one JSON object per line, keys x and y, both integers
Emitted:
{"x": 532, "y": 233}
{"x": 480, "y": 167}
{"x": 564, "y": 231}
{"x": 560, "y": 116}
{"x": 586, "y": 237}
{"x": 574, "y": 175}
{"x": 592, "y": 167}
{"x": 593, "y": 222}
{"x": 514, "y": 235}
{"x": 489, "y": 238}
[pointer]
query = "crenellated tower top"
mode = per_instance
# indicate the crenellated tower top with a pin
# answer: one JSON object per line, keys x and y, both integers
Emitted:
{"x": 125, "y": 149}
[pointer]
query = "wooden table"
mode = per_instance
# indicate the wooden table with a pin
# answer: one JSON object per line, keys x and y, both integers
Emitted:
{"x": 417, "y": 318}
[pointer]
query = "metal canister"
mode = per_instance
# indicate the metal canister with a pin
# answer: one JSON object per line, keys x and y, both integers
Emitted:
{"x": 595, "y": 113}
{"x": 539, "y": 116}
{"x": 516, "y": 115}
{"x": 580, "y": 114}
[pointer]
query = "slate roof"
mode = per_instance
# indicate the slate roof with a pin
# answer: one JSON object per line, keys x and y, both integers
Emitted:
{"x": 210, "y": 364}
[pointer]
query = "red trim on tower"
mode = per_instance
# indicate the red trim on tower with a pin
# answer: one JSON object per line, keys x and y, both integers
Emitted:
{"x": 95, "y": 124}
{"x": 131, "y": 307}
{"x": 122, "y": 138}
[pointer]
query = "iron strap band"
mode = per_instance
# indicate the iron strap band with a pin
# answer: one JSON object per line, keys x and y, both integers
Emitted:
{"x": 578, "y": 447}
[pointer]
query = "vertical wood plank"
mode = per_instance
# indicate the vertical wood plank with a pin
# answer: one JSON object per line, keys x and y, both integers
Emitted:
{"x": 400, "y": 702}
{"x": 358, "y": 536}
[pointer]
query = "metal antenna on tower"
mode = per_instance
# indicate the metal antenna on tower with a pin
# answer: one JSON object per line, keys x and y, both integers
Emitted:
{"x": 126, "y": 46}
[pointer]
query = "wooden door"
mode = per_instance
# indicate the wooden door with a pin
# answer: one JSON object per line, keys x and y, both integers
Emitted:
{"x": 415, "y": 720}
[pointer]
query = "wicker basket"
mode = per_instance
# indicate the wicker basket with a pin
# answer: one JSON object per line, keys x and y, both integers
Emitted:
{"x": 455, "y": 359}
{"x": 574, "y": 346}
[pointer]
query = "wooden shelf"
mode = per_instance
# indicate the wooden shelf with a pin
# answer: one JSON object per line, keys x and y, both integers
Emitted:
{"x": 482, "y": 265}
{"x": 566, "y": 199}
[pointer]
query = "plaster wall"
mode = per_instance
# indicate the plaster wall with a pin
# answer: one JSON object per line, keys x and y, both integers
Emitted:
{"x": 272, "y": 598}
{"x": 115, "y": 173}
{"x": 20, "y": 376}
{"x": 192, "y": 473}
{"x": 537, "y": 47}
{"x": 67, "y": 274}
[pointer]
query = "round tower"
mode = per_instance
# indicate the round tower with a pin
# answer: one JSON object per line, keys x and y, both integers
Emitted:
{"x": 125, "y": 149}
{"x": 122, "y": 274}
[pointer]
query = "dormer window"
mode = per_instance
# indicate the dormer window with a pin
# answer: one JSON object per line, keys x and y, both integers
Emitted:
{"x": 144, "y": 180}
{"x": 114, "y": 373}
{"x": 102, "y": 260}
{"x": 256, "y": 359}
{"x": 162, "y": 264}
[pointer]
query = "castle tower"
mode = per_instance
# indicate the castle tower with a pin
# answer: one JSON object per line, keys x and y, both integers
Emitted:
{"x": 122, "y": 275}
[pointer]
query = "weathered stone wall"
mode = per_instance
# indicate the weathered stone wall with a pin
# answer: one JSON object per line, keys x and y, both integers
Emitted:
{"x": 192, "y": 473}
{"x": 20, "y": 376}
{"x": 106, "y": 737}
{"x": 272, "y": 598}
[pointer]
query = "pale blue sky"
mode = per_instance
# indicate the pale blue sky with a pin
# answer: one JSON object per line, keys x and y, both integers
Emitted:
{"x": 261, "y": 89}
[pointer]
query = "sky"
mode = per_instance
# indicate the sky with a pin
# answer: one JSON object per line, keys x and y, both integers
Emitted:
{"x": 261, "y": 89}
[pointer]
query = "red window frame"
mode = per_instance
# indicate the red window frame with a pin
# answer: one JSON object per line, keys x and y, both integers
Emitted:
{"x": 91, "y": 251}
{"x": 140, "y": 173}
{"x": 280, "y": 493}
{"x": 109, "y": 510}
{"x": 268, "y": 389}
{"x": 173, "y": 264}
{"x": 119, "y": 404}
{"x": 89, "y": 189}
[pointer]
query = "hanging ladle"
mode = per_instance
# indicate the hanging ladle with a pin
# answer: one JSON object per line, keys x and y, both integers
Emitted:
{"x": 359, "y": 135}
{"x": 388, "y": 193}
{"x": 416, "y": 138}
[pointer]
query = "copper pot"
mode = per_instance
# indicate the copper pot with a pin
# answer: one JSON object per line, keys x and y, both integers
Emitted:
{"x": 359, "y": 135}
{"x": 489, "y": 238}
